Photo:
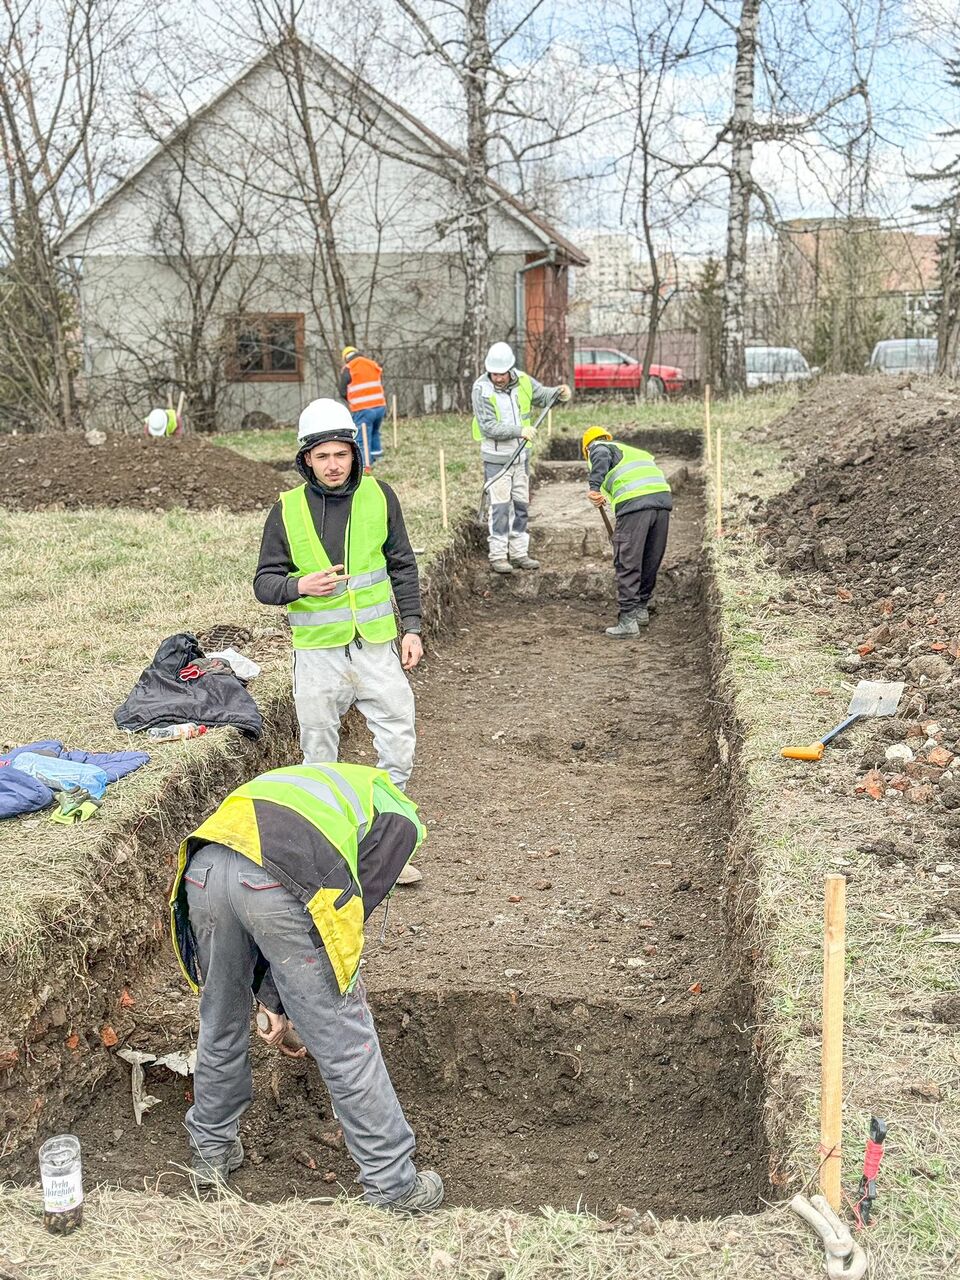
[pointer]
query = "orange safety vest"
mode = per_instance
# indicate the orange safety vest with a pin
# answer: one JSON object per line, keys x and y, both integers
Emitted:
{"x": 365, "y": 388}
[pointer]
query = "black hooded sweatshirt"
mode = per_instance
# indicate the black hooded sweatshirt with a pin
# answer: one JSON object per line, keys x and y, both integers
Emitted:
{"x": 275, "y": 581}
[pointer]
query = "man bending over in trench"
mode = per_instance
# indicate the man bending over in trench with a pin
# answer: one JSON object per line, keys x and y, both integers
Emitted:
{"x": 270, "y": 896}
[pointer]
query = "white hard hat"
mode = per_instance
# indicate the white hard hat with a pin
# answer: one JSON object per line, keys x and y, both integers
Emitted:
{"x": 500, "y": 358}
{"x": 157, "y": 422}
{"x": 326, "y": 418}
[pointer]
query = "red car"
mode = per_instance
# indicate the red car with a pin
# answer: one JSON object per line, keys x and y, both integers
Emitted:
{"x": 606, "y": 369}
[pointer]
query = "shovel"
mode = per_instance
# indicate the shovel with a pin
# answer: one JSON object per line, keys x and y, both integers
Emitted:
{"x": 870, "y": 698}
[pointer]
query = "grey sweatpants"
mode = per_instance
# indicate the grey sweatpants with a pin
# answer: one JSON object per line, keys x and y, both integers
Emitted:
{"x": 639, "y": 541}
{"x": 509, "y": 507}
{"x": 328, "y": 682}
{"x": 235, "y": 907}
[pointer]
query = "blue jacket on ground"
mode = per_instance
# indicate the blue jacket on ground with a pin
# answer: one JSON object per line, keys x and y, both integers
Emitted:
{"x": 20, "y": 793}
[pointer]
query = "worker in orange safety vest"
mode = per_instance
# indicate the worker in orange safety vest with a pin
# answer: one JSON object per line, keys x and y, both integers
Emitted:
{"x": 361, "y": 385}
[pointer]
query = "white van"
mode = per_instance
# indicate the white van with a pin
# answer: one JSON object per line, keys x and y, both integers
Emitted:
{"x": 767, "y": 366}
{"x": 904, "y": 355}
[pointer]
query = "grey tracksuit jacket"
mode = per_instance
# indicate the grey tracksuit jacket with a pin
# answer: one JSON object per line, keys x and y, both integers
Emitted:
{"x": 501, "y": 437}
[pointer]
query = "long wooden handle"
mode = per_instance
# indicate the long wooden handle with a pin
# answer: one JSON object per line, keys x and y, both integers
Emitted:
{"x": 831, "y": 1077}
{"x": 606, "y": 521}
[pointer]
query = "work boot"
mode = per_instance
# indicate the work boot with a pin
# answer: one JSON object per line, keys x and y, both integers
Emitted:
{"x": 651, "y": 605}
{"x": 410, "y": 875}
{"x": 213, "y": 1171}
{"x": 525, "y": 562}
{"x": 424, "y": 1196}
{"x": 501, "y": 566}
{"x": 641, "y": 616}
{"x": 625, "y": 628}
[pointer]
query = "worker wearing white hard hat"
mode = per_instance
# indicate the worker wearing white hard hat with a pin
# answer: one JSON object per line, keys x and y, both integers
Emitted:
{"x": 336, "y": 554}
{"x": 503, "y": 402}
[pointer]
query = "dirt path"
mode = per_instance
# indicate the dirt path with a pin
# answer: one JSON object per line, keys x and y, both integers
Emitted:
{"x": 555, "y": 999}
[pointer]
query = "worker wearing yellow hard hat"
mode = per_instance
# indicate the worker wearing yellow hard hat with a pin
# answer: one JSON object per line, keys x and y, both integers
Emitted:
{"x": 361, "y": 385}
{"x": 628, "y": 480}
{"x": 591, "y": 434}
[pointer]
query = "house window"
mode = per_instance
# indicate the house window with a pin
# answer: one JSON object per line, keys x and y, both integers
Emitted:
{"x": 266, "y": 348}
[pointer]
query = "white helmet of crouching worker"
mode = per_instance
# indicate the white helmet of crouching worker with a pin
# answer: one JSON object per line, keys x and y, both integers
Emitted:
{"x": 157, "y": 422}
{"x": 500, "y": 358}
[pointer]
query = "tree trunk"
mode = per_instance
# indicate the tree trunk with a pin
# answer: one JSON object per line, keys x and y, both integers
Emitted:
{"x": 476, "y": 195}
{"x": 733, "y": 360}
{"x": 948, "y": 326}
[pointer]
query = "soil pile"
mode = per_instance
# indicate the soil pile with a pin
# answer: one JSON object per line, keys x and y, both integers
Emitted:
{"x": 871, "y": 530}
{"x": 64, "y": 471}
{"x": 887, "y": 511}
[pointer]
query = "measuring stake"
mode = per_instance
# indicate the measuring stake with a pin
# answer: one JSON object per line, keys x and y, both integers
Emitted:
{"x": 443, "y": 491}
{"x": 706, "y": 421}
{"x": 719, "y": 483}
{"x": 831, "y": 1078}
{"x": 549, "y": 422}
{"x": 366, "y": 449}
{"x": 394, "y": 407}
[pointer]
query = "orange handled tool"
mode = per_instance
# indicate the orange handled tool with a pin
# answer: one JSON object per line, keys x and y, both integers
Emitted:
{"x": 870, "y": 698}
{"x": 815, "y": 749}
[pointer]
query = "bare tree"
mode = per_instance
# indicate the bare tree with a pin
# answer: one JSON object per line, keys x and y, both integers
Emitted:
{"x": 52, "y": 60}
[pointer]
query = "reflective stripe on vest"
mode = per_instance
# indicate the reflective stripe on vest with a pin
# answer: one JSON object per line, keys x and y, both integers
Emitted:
{"x": 634, "y": 476}
{"x": 362, "y": 603}
{"x": 524, "y": 390}
{"x": 365, "y": 388}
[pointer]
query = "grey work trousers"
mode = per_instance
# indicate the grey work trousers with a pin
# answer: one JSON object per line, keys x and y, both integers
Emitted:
{"x": 639, "y": 541}
{"x": 328, "y": 682}
{"x": 235, "y": 907}
{"x": 509, "y": 499}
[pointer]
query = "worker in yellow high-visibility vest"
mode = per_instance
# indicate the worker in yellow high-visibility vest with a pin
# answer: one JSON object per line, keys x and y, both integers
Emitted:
{"x": 333, "y": 551}
{"x": 629, "y": 480}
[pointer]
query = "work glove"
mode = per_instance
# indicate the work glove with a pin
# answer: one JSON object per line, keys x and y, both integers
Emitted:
{"x": 528, "y": 432}
{"x": 563, "y": 393}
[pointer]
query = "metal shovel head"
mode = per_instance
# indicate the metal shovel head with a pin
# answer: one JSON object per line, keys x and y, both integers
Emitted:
{"x": 876, "y": 698}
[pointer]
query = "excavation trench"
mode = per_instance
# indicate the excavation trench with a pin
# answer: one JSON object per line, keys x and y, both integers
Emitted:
{"x": 561, "y": 1001}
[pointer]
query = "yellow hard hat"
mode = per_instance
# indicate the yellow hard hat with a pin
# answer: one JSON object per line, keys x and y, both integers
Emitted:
{"x": 348, "y": 351}
{"x": 591, "y": 434}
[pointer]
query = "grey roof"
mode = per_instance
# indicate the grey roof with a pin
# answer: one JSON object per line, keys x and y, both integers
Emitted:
{"x": 515, "y": 208}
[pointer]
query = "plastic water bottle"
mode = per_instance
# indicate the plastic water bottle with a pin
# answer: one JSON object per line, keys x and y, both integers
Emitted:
{"x": 171, "y": 732}
{"x": 62, "y": 1179}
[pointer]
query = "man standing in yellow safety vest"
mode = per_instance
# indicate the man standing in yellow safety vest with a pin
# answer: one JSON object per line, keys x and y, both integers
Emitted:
{"x": 361, "y": 385}
{"x": 332, "y": 551}
{"x": 630, "y": 481}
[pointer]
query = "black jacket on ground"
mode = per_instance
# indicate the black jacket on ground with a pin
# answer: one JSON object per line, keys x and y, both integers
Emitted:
{"x": 604, "y": 456}
{"x": 160, "y": 697}
{"x": 275, "y": 581}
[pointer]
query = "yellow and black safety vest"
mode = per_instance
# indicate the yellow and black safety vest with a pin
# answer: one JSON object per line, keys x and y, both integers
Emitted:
{"x": 304, "y": 824}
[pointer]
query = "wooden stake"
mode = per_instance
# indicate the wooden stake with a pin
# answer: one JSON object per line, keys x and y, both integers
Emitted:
{"x": 394, "y": 408}
{"x": 549, "y": 422}
{"x": 180, "y": 407}
{"x": 366, "y": 448}
{"x": 706, "y": 421}
{"x": 831, "y": 1078}
{"x": 719, "y": 483}
{"x": 443, "y": 491}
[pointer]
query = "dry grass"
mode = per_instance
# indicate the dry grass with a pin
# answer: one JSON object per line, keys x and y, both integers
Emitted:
{"x": 146, "y": 1236}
